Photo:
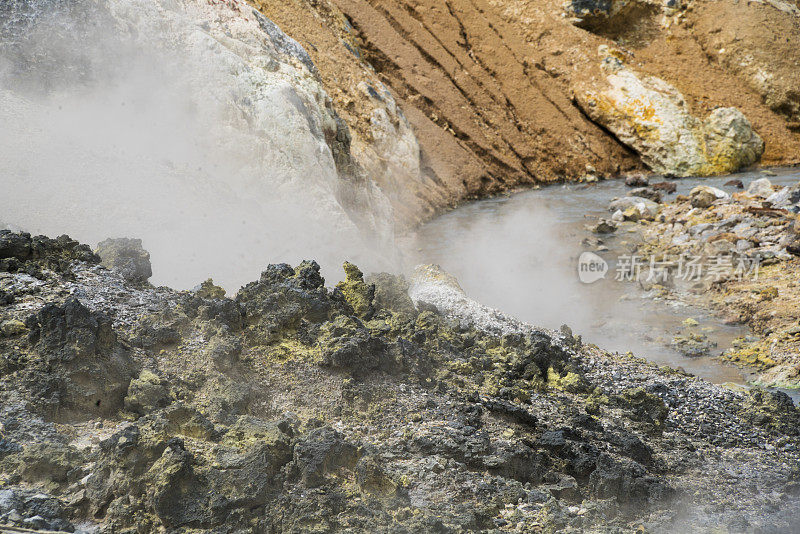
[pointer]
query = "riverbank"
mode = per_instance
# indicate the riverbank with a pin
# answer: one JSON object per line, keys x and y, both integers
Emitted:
{"x": 295, "y": 407}
{"x": 742, "y": 243}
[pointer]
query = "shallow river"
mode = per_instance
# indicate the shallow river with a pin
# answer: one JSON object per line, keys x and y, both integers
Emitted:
{"x": 519, "y": 254}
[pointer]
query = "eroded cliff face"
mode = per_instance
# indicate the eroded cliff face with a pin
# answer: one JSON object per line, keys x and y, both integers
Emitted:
{"x": 487, "y": 86}
{"x": 487, "y": 119}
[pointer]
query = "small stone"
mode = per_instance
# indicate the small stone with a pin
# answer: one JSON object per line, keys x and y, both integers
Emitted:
{"x": 646, "y": 192}
{"x": 760, "y": 188}
{"x": 646, "y": 207}
{"x": 703, "y": 196}
{"x": 11, "y": 328}
{"x": 667, "y": 187}
{"x": 636, "y": 180}
{"x": 603, "y": 226}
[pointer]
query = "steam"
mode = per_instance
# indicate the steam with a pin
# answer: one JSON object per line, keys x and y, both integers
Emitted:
{"x": 515, "y": 260}
{"x": 157, "y": 130}
{"x": 522, "y": 259}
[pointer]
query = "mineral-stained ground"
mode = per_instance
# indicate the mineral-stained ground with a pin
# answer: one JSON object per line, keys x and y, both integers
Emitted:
{"x": 490, "y": 87}
{"x": 760, "y": 225}
{"x": 294, "y": 407}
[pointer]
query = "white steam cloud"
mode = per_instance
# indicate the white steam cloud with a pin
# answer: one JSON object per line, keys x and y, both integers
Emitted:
{"x": 179, "y": 126}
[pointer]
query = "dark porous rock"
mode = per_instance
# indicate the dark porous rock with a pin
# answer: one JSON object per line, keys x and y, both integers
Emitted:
{"x": 646, "y": 192}
{"x": 323, "y": 451}
{"x": 513, "y": 411}
{"x": 373, "y": 479}
{"x": 635, "y": 179}
{"x": 773, "y": 410}
{"x": 564, "y": 487}
{"x": 155, "y": 336}
{"x": 553, "y": 440}
{"x": 6, "y": 298}
{"x": 632, "y": 446}
{"x": 31, "y": 510}
{"x": 148, "y": 467}
{"x": 646, "y": 407}
{"x": 346, "y": 344}
{"x": 299, "y": 408}
{"x": 127, "y": 257}
{"x": 146, "y": 393}
{"x": 517, "y": 461}
{"x": 666, "y": 187}
{"x": 215, "y": 316}
{"x": 19, "y": 252}
{"x": 283, "y": 297}
{"x": 13, "y": 245}
{"x": 79, "y": 368}
{"x": 627, "y": 481}
{"x": 734, "y": 183}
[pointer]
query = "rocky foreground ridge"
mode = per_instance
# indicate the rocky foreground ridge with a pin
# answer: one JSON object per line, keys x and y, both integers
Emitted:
{"x": 293, "y": 407}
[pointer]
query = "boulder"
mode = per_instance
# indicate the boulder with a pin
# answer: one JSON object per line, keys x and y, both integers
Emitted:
{"x": 146, "y": 393}
{"x": 19, "y": 251}
{"x": 127, "y": 257}
{"x": 652, "y": 117}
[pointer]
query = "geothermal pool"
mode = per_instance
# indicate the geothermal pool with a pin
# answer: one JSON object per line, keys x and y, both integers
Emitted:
{"x": 519, "y": 253}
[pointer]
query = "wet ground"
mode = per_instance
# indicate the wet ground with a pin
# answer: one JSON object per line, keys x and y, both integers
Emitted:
{"x": 520, "y": 254}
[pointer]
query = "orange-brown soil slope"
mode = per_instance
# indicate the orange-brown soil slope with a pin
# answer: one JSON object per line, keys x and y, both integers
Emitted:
{"x": 487, "y": 85}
